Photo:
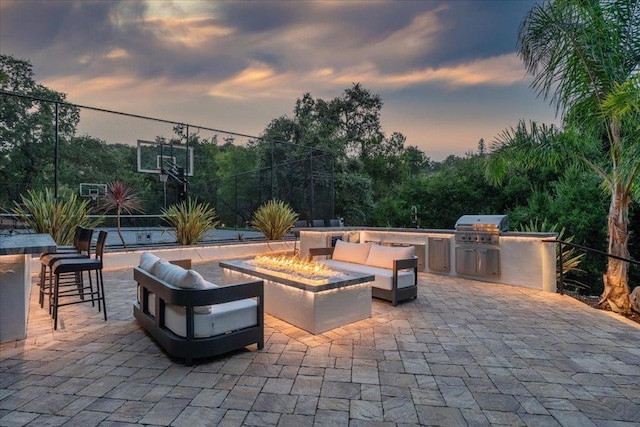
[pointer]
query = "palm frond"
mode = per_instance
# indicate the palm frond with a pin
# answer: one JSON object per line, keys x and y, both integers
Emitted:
{"x": 525, "y": 148}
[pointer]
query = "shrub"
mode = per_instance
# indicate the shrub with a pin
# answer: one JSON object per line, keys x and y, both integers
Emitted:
{"x": 191, "y": 220}
{"x": 43, "y": 213}
{"x": 274, "y": 219}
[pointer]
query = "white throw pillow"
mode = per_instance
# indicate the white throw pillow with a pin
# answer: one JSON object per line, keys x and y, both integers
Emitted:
{"x": 148, "y": 261}
{"x": 175, "y": 275}
{"x": 356, "y": 253}
{"x": 187, "y": 279}
{"x": 383, "y": 256}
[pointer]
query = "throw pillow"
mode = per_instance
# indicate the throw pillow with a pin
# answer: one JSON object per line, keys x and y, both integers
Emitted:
{"x": 148, "y": 261}
{"x": 356, "y": 253}
{"x": 383, "y": 256}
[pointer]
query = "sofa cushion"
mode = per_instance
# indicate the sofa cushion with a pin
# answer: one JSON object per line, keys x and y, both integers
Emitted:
{"x": 181, "y": 278}
{"x": 383, "y": 276}
{"x": 351, "y": 252}
{"x": 223, "y": 318}
{"x": 383, "y": 256}
{"x": 148, "y": 261}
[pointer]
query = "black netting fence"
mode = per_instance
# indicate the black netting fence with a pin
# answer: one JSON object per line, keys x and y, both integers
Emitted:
{"x": 70, "y": 148}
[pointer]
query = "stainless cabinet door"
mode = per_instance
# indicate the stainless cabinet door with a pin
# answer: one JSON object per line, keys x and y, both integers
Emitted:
{"x": 466, "y": 261}
{"x": 439, "y": 254}
{"x": 488, "y": 262}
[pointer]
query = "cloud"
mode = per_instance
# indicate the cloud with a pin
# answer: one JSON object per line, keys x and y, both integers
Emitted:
{"x": 194, "y": 60}
{"x": 261, "y": 80}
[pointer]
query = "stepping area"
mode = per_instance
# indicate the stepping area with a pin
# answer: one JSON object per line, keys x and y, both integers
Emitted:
{"x": 463, "y": 353}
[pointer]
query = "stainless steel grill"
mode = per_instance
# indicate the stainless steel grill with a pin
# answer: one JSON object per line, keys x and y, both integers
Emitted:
{"x": 477, "y": 244}
{"x": 481, "y": 229}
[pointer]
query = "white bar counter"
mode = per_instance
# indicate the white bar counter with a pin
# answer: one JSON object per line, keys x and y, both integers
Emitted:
{"x": 15, "y": 280}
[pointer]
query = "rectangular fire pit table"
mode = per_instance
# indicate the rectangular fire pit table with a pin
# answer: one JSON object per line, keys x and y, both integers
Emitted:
{"x": 314, "y": 306}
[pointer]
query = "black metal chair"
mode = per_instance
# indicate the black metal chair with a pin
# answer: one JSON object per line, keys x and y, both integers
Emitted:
{"x": 82, "y": 245}
{"x": 318, "y": 223}
{"x": 70, "y": 271}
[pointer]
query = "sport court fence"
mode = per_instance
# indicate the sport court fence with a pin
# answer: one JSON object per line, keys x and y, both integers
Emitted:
{"x": 68, "y": 160}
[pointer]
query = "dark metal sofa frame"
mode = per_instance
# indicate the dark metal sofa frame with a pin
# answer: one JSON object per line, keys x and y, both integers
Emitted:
{"x": 190, "y": 347}
{"x": 393, "y": 295}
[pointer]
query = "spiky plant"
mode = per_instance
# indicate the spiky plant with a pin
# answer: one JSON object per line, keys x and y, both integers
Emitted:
{"x": 121, "y": 197}
{"x": 274, "y": 219}
{"x": 191, "y": 220}
{"x": 43, "y": 213}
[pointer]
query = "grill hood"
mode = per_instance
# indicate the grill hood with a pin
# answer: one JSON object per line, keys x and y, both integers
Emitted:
{"x": 484, "y": 222}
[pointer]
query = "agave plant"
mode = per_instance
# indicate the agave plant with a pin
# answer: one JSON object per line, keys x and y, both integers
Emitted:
{"x": 121, "y": 197}
{"x": 570, "y": 259}
{"x": 43, "y": 213}
{"x": 274, "y": 219}
{"x": 191, "y": 220}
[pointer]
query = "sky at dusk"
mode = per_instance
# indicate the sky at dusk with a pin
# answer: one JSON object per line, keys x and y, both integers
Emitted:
{"x": 446, "y": 71}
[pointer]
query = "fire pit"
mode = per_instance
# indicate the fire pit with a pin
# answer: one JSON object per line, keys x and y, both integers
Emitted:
{"x": 292, "y": 266}
{"x": 317, "y": 303}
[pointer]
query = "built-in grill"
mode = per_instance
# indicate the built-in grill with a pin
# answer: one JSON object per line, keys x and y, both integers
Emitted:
{"x": 481, "y": 229}
{"x": 477, "y": 244}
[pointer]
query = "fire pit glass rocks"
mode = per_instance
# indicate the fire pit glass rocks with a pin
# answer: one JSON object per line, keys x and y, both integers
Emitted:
{"x": 295, "y": 267}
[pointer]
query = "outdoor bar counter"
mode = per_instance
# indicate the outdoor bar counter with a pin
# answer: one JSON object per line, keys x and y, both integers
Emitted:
{"x": 525, "y": 259}
{"x": 15, "y": 280}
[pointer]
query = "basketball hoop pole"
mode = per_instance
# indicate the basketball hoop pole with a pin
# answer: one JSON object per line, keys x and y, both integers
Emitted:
{"x": 163, "y": 178}
{"x": 185, "y": 183}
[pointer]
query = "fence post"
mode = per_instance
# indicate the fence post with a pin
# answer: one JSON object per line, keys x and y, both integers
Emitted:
{"x": 56, "y": 156}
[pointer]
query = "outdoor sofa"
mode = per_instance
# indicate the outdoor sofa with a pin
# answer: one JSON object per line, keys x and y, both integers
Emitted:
{"x": 191, "y": 318}
{"x": 395, "y": 268}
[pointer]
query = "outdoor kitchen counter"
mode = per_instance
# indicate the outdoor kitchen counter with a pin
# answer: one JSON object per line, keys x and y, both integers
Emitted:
{"x": 15, "y": 280}
{"x": 524, "y": 259}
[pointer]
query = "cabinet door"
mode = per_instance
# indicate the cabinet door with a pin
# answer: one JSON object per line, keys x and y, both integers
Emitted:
{"x": 439, "y": 254}
{"x": 488, "y": 262}
{"x": 466, "y": 261}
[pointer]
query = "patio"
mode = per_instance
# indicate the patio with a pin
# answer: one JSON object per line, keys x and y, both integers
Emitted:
{"x": 464, "y": 353}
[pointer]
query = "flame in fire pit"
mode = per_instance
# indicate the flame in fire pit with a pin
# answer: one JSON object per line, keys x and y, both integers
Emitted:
{"x": 295, "y": 266}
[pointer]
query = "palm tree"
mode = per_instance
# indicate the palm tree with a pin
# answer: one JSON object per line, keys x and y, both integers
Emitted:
{"x": 121, "y": 197}
{"x": 584, "y": 55}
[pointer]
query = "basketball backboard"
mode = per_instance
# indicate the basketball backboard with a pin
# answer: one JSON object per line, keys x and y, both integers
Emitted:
{"x": 156, "y": 157}
{"x": 94, "y": 191}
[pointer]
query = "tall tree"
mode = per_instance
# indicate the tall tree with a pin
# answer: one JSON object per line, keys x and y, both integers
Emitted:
{"x": 584, "y": 56}
{"x": 27, "y": 126}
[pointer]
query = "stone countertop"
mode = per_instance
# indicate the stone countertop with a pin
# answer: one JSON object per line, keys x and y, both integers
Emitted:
{"x": 17, "y": 244}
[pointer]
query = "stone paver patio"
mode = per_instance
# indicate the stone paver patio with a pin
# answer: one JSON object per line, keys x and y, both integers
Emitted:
{"x": 464, "y": 353}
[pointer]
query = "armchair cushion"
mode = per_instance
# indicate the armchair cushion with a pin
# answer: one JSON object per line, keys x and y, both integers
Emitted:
{"x": 222, "y": 318}
{"x": 383, "y": 276}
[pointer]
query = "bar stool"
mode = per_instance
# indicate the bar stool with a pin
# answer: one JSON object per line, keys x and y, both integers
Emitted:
{"x": 82, "y": 250}
{"x": 62, "y": 268}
